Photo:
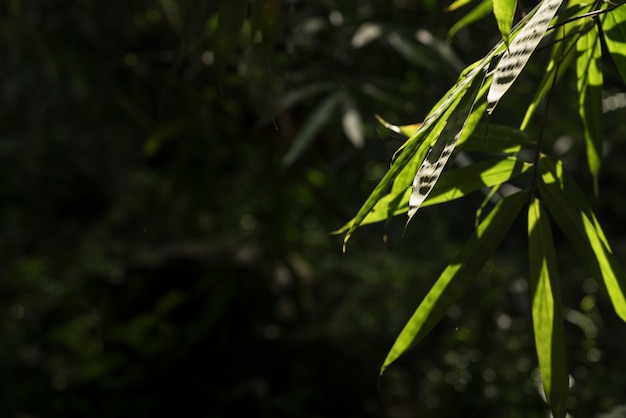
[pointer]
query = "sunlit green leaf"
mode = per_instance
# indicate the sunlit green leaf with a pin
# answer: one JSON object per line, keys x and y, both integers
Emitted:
{"x": 504, "y": 11}
{"x": 519, "y": 51}
{"x": 458, "y": 275}
{"x": 563, "y": 51}
{"x": 494, "y": 138}
{"x": 589, "y": 76}
{"x": 230, "y": 21}
{"x": 405, "y": 130}
{"x": 614, "y": 27}
{"x": 457, "y": 4}
{"x": 572, "y": 213}
{"x": 316, "y": 120}
{"x": 547, "y": 310}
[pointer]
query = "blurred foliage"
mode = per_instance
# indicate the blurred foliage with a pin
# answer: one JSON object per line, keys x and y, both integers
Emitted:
{"x": 158, "y": 257}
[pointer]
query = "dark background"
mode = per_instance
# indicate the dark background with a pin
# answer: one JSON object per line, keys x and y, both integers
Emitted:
{"x": 158, "y": 259}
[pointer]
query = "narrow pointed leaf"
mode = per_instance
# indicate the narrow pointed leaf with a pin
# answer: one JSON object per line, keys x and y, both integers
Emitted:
{"x": 458, "y": 275}
{"x": 517, "y": 55}
{"x": 405, "y": 130}
{"x": 614, "y": 27}
{"x": 572, "y": 213}
{"x": 430, "y": 170}
{"x": 497, "y": 139}
{"x": 311, "y": 127}
{"x": 547, "y": 310}
{"x": 504, "y": 11}
{"x": 563, "y": 51}
{"x": 589, "y": 76}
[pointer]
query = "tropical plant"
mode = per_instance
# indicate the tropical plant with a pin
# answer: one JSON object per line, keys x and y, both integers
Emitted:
{"x": 512, "y": 161}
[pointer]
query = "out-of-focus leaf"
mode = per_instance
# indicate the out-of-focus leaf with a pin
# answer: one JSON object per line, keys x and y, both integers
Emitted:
{"x": 411, "y": 51}
{"x": 589, "y": 83}
{"x": 504, "y": 11}
{"x": 316, "y": 120}
{"x": 458, "y": 275}
{"x": 352, "y": 122}
{"x": 457, "y": 5}
{"x": 483, "y": 9}
{"x": 230, "y": 21}
{"x": 519, "y": 51}
{"x": 572, "y": 213}
{"x": 614, "y": 27}
{"x": 547, "y": 310}
{"x": 365, "y": 34}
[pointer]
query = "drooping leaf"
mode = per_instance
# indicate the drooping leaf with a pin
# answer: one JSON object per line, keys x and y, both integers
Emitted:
{"x": 519, "y": 51}
{"x": 479, "y": 12}
{"x": 495, "y": 138}
{"x": 452, "y": 184}
{"x": 352, "y": 122}
{"x": 569, "y": 208}
{"x": 614, "y": 27}
{"x": 230, "y": 21}
{"x": 504, "y": 11}
{"x": 316, "y": 120}
{"x": 405, "y": 130}
{"x": 547, "y": 310}
{"x": 589, "y": 76}
{"x": 458, "y": 275}
{"x": 563, "y": 51}
{"x": 431, "y": 168}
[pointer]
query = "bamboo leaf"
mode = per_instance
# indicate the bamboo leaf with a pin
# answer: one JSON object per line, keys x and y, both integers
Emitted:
{"x": 613, "y": 26}
{"x": 547, "y": 310}
{"x": 589, "y": 76}
{"x": 405, "y": 130}
{"x": 497, "y": 139}
{"x": 517, "y": 55}
{"x": 504, "y": 11}
{"x": 311, "y": 127}
{"x": 431, "y": 168}
{"x": 458, "y": 275}
{"x": 572, "y": 213}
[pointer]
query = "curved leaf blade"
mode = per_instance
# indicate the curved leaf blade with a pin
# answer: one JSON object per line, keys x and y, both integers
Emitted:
{"x": 572, "y": 213}
{"x": 457, "y": 276}
{"x": 547, "y": 310}
{"x": 589, "y": 84}
{"x": 504, "y": 11}
{"x": 517, "y": 55}
{"x": 614, "y": 28}
{"x": 477, "y": 13}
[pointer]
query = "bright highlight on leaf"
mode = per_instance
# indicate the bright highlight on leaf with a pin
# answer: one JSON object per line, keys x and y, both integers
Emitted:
{"x": 516, "y": 56}
{"x": 504, "y": 11}
{"x": 589, "y": 75}
{"x": 458, "y": 275}
{"x": 547, "y": 310}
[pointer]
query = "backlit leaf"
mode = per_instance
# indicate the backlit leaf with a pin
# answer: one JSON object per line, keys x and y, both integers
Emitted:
{"x": 572, "y": 213}
{"x": 614, "y": 27}
{"x": 547, "y": 310}
{"x": 504, "y": 11}
{"x": 589, "y": 76}
{"x": 458, "y": 275}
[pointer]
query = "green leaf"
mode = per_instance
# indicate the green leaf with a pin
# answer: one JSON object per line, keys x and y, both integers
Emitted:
{"x": 405, "y": 130}
{"x": 497, "y": 139}
{"x": 614, "y": 27}
{"x": 547, "y": 310}
{"x": 519, "y": 51}
{"x": 452, "y": 185}
{"x": 231, "y": 17}
{"x": 479, "y": 12}
{"x": 458, "y": 275}
{"x": 434, "y": 163}
{"x": 589, "y": 76}
{"x": 316, "y": 120}
{"x": 504, "y": 11}
{"x": 562, "y": 53}
{"x": 572, "y": 213}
